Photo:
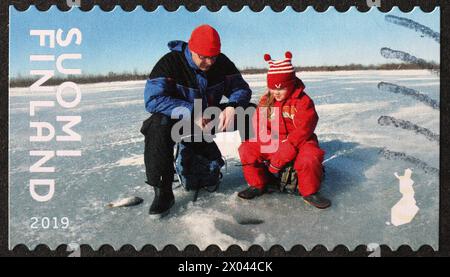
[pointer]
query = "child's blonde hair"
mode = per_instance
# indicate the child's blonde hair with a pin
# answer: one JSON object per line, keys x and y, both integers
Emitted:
{"x": 267, "y": 102}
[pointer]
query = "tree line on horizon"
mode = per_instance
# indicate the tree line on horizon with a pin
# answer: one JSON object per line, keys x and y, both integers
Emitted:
{"x": 21, "y": 81}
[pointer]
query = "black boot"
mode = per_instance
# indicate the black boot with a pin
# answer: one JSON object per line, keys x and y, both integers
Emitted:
{"x": 163, "y": 201}
{"x": 250, "y": 193}
{"x": 317, "y": 201}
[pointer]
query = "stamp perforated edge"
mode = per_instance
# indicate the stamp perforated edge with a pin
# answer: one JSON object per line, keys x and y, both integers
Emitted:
{"x": 236, "y": 6}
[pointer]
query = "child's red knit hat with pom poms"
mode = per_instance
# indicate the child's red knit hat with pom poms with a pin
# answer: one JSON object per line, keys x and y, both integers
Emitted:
{"x": 281, "y": 73}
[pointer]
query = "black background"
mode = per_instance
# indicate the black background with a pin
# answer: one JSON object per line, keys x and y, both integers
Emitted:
{"x": 233, "y": 251}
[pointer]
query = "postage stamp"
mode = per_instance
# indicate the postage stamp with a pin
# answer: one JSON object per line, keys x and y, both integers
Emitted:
{"x": 224, "y": 128}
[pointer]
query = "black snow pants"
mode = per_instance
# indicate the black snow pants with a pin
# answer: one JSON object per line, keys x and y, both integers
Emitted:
{"x": 158, "y": 152}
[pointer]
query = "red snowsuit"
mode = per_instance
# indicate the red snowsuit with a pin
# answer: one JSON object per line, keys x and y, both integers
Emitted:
{"x": 297, "y": 120}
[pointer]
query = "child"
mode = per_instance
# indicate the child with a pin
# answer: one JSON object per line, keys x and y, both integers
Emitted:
{"x": 287, "y": 104}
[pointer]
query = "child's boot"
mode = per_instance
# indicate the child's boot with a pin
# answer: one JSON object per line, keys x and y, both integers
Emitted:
{"x": 250, "y": 193}
{"x": 317, "y": 201}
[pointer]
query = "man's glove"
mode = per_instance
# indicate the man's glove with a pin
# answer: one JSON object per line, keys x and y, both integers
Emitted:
{"x": 286, "y": 153}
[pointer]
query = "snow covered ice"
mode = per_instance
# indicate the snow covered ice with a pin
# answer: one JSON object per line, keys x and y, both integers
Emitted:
{"x": 361, "y": 159}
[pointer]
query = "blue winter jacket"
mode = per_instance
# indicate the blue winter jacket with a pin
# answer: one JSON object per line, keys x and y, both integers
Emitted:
{"x": 176, "y": 81}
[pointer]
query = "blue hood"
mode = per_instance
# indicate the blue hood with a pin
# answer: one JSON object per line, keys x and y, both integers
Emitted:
{"x": 177, "y": 46}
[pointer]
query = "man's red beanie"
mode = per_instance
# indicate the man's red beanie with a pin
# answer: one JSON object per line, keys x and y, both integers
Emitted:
{"x": 205, "y": 41}
{"x": 281, "y": 73}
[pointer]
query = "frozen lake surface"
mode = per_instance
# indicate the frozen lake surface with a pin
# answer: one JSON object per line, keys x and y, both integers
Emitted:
{"x": 361, "y": 159}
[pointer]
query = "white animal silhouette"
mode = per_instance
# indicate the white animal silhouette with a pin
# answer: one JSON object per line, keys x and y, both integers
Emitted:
{"x": 406, "y": 209}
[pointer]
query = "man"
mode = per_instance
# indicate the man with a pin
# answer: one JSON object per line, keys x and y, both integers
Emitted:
{"x": 193, "y": 70}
